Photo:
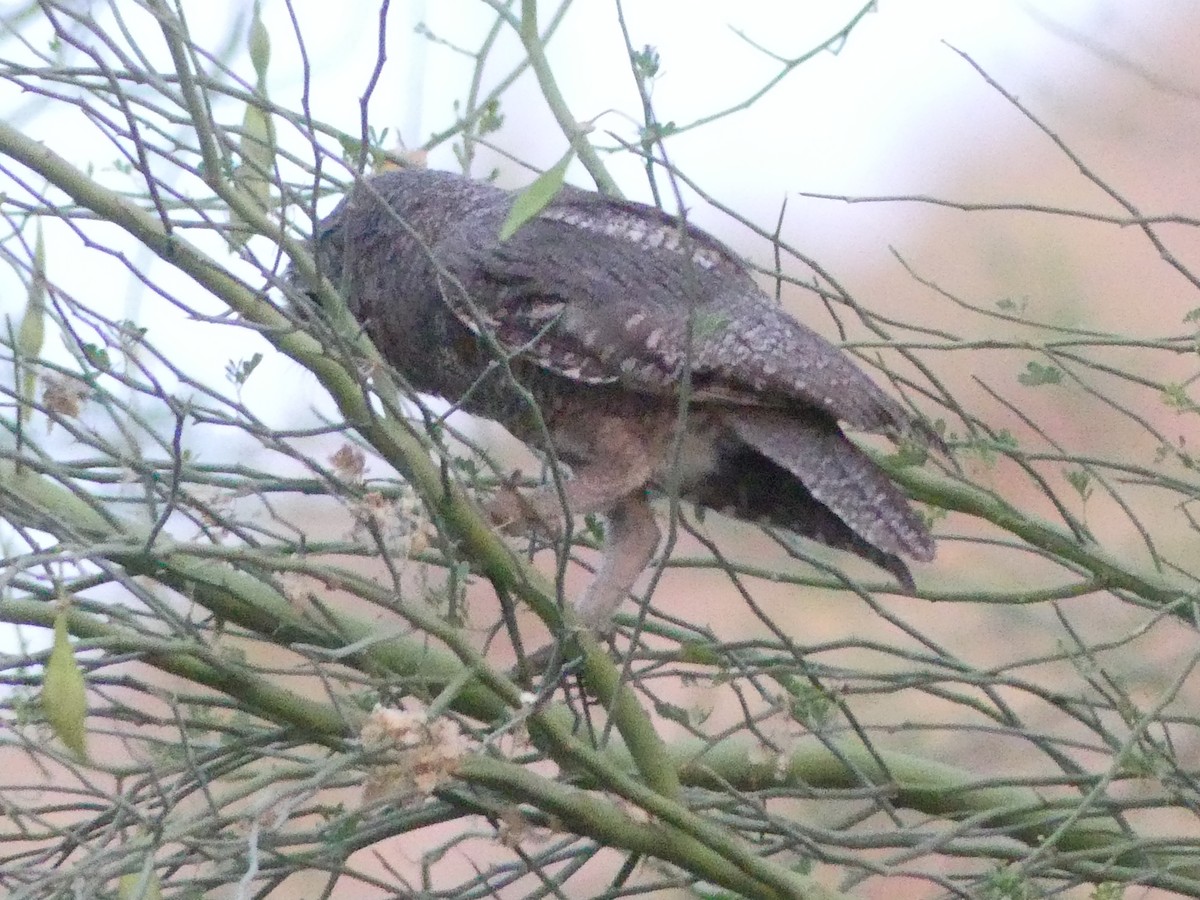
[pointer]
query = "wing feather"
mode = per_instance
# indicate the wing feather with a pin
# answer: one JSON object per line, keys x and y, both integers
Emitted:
{"x": 839, "y": 475}
{"x": 604, "y": 291}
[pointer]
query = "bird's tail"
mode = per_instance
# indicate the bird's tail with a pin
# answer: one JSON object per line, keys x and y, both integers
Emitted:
{"x": 803, "y": 474}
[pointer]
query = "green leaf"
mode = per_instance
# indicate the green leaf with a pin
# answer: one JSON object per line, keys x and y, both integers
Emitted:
{"x": 699, "y": 653}
{"x": 1036, "y": 374}
{"x": 656, "y": 131}
{"x": 239, "y": 372}
{"x": 647, "y": 61}
{"x": 910, "y": 452}
{"x": 594, "y": 526}
{"x": 130, "y": 332}
{"x": 97, "y": 356}
{"x": 1005, "y": 438}
{"x": 1176, "y": 397}
{"x": 672, "y": 712}
{"x": 64, "y": 692}
{"x": 537, "y": 196}
{"x": 1081, "y": 481}
{"x": 811, "y": 706}
{"x": 491, "y": 119}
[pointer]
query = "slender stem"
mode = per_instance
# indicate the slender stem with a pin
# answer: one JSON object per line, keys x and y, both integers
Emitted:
{"x": 575, "y": 133}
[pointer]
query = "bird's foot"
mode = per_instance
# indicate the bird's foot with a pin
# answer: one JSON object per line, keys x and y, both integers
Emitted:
{"x": 516, "y": 513}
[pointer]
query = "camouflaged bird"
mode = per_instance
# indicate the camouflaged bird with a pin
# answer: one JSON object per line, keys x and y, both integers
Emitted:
{"x": 603, "y": 310}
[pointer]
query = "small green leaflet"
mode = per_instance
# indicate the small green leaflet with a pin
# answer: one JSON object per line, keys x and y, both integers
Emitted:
{"x": 1036, "y": 374}
{"x": 537, "y": 196}
{"x": 1081, "y": 481}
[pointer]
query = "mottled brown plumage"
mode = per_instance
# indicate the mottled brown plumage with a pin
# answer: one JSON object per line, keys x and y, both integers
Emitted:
{"x": 604, "y": 309}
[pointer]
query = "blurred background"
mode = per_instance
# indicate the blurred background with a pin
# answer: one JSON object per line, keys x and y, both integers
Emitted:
{"x": 967, "y": 234}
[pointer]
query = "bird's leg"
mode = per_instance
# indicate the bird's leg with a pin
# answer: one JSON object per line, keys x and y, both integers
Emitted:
{"x": 621, "y": 463}
{"x": 613, "y": 482}
{"x": 630, "y": 541}
{"x": 591, "y": 490}
{"x": 514, "y": 512}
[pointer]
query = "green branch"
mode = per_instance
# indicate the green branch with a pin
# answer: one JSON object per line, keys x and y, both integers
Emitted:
{"x": 576, "y": 134}
{"x": 229, "y": 593}
{"x": 915, "y": 783}
{"x": 930, "y": 787}
{"x": 584, "y": 814}
{"x": 399, "y": 442}
{"x": 1108, "y": 571}
{"x": 319, "y": 722}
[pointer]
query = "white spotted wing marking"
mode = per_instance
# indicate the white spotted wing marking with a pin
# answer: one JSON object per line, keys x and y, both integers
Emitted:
{"x": 636, "y": 230}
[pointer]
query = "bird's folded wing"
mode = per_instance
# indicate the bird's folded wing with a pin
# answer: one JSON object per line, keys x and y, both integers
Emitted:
{"x": 600, "y": 306}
